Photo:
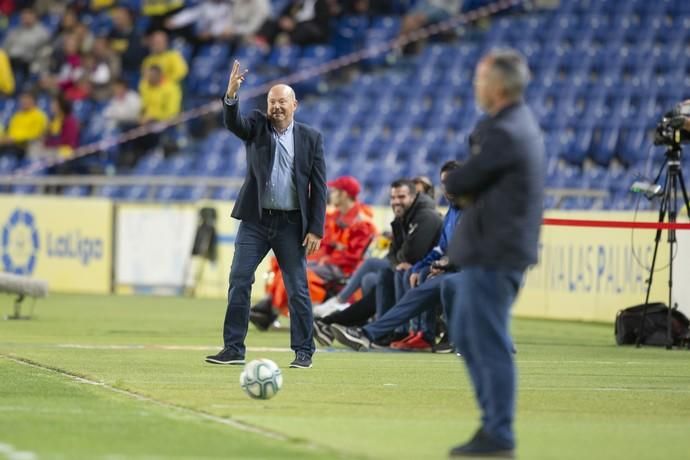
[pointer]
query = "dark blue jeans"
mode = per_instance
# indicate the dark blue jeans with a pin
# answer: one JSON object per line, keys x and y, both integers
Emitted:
{"x": 281, "y": 232}
{"x": 364, "y": 277}
{"x": 423, "y": 298}
{"x": 478, "y": 303}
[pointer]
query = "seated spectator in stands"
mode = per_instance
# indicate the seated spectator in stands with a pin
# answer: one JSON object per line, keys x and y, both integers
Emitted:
{"x": 423, "y": 13}
{"x": 81, "y": 90}
{"x": 169, "y": 61}
{"x": 202, "y": 23}
{"x": 125, "y": 40}
{"x": 124, "y": 109}
{"x": 62, "y": 136}
{"x": 102, "y": 67}
{"x": 7, "y": 7}
{"x": 161, "y": 101}
{"x": 347, "y": 233}
{"x": 159, "y": 11}
{"x": 27, "y": 125}
{"x": 70, "y": 69}
{"x": 23, "y": 43}
{"x": 161, "y": 98}
{"x": 302, "y": 22}
{"x": 247, "y": 17}
{"x": 6, "y": 75}
{"x": 370, "y": 7}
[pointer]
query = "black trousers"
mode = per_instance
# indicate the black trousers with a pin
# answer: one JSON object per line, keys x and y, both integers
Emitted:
{"x": 357, "y": 314}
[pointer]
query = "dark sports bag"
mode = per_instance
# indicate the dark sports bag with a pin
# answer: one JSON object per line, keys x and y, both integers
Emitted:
{"x": 627, "y": 327}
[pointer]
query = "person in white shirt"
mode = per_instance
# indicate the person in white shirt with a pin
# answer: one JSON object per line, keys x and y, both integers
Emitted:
{"x": 124, "y": 109}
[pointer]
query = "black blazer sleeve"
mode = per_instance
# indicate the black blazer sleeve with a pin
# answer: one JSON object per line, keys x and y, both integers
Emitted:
{"x": 317, "y": 191}
{"x": 242, "y": 127}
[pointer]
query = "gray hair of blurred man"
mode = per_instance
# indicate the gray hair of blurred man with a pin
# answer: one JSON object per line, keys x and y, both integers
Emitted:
{"x": 511, "y": 69}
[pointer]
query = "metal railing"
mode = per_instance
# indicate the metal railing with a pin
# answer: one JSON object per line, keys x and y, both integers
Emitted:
{"x": 155, "y": 182}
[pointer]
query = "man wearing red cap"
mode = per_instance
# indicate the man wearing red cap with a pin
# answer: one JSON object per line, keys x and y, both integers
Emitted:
{"x": 348, "y": 230}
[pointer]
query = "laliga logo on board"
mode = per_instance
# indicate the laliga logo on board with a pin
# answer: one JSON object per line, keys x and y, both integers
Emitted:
{"x": 20, "y": 243}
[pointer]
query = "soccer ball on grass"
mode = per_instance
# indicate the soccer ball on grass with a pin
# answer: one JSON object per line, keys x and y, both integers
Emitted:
{"x": 261, "y": 379}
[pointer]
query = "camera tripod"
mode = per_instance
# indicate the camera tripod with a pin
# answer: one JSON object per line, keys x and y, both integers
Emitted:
{"x": 668, "y": 205}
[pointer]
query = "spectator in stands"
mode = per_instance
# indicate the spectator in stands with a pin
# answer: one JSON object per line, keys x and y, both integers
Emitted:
{"x": 124, "y": 109}
{"x": 6, "y": 7}
{"x": 70, "y": 67}
{"x": 159, "y": 11}
{"x": 62, "y": 136}
{"x": 27, "y": 125}
{"x": 169, "y": 61}
{"x": 204, "y": 22}
{"x": 102, "y": 67}
{"x": 6, "y": 75}
{"x": 302, "y": 22}
{"x": 23, "y": 43}
{"x": 247, "y": 18}
{"x": 371, "y": 7}
{"x": 161, "y": 98}
{"x": 81, "y": 90}
{"x": 125, "y": 40}
{"x": 426, "y": 12}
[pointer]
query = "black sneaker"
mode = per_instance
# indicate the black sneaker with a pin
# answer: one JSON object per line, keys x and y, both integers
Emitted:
{"x": 443, "y": 345}
{"x": 353, "y": 337}
{"x": 484, "y": 446}
{"x": 301, "y": 361}
{"x": 323, "y": 333}
{"x": 226, "y": 356}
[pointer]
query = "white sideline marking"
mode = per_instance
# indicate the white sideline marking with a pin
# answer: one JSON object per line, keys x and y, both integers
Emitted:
{"x": 222, "y": 420}
{"x": 11, "y": 454}
{"x": 167, "y": 347}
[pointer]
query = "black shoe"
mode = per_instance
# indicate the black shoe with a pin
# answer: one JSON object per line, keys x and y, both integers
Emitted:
{"x": 353, "y": 337}
{"x": 482, "y": 445}
{"x": 323, "y": 333}
{"x": 226, "y": 356}
{"x": 301, "y": 361}
{"x": 443, "y": 345}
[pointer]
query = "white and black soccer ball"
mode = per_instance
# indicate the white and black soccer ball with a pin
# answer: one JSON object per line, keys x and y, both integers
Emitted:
{"x": 261, "y": 379}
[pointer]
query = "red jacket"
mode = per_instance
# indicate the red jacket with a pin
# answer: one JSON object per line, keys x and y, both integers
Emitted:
{"x": 346, "y": 238}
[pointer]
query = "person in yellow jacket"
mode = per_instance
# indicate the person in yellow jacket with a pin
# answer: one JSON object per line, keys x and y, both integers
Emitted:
{"x": 158, "y": 11}
{"x": 27, "y": 125}
{"x": 169, "y": 60}
{"x": 6, "y": 75}
{"x": 161, "y": 98}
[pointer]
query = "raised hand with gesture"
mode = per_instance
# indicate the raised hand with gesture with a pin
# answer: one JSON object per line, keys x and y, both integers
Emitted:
{"x": 236, "y": 79}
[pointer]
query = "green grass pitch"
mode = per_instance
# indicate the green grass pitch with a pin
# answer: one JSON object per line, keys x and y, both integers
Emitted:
{"x": 98, "y": 377}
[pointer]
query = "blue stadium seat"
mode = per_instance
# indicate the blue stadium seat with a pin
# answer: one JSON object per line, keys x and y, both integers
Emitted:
{"x": 604, "y": 141}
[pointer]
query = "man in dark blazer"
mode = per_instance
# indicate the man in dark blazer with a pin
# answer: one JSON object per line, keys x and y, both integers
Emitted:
{"x": 494, "y": 243}
{"x": 282, "y": 206}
